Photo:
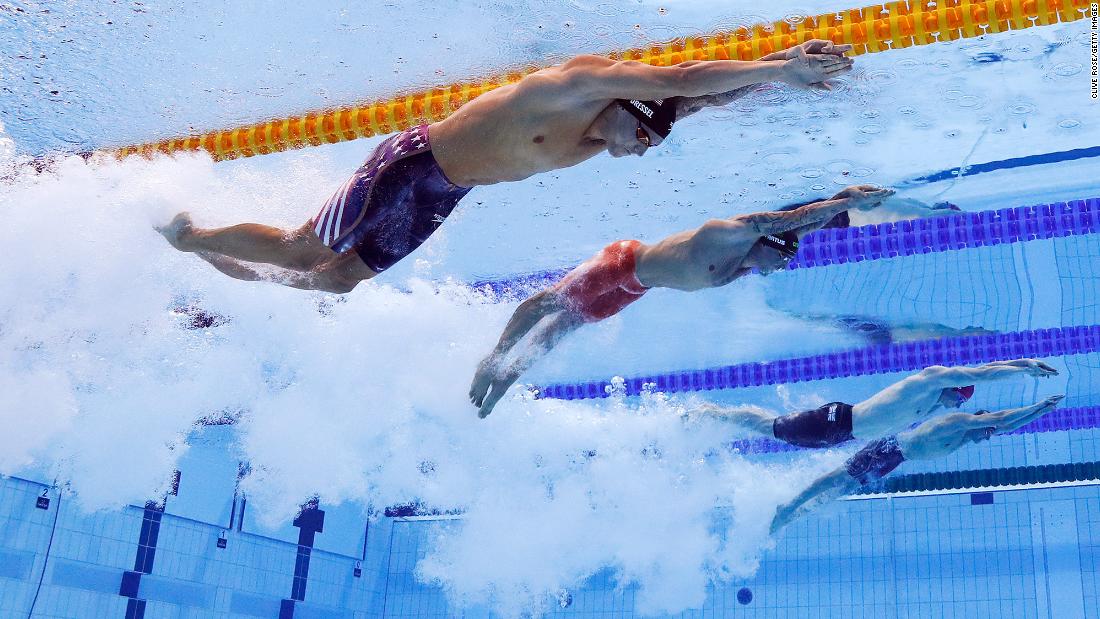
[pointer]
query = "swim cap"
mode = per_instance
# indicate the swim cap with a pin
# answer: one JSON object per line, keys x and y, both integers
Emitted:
{"x": 965, "y": 393}
{"x": 786, "y": 243}
{"x": 657, "y": 115}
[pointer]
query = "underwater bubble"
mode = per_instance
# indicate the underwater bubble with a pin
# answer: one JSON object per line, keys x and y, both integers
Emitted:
{"x": 870, "y": 113}
{"x": 811, "y": 173}
{"x": 882, "y": 77}
{"x": 778, "y": 159}
{"x": 1069, "y": 123}
{"x": 871, "y": 129}
{"x": 794, "y": 19}
{"x": 602, "y": 30}
{"x": 1021, "y": 108}
{"x": 1067, "y": 69}
{"x": 970, "y": 101}
{"x": 907, "y": 110}
{"x": 862, "y": 172}
{"x": 817, "y": 187}
{"x": 1024, "y": 47}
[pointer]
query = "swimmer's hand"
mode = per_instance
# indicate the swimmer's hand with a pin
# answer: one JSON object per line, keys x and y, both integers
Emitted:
{"x": 864, "y": 197}
{"x": 813, "y": 46}
{"x": 804, "y": 70}
{"x": 1033, "y": 367}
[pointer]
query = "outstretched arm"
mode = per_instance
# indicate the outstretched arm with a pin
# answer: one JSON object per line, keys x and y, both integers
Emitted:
{"x": 596, "y": 77}
{"x": 811, "y": 216}
{"x": 946, "y": 434}
{"x": 938, "y": 376}
{"x": 686, "y": 106}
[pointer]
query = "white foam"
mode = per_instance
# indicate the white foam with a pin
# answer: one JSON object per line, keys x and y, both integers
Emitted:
{"x": 363, "y": 400}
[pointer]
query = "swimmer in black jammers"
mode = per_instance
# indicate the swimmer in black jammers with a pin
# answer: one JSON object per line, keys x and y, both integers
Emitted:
{"x": 932, "y": 439}
{"x": 551, "y": 119}
{"x": 908, "y": 401}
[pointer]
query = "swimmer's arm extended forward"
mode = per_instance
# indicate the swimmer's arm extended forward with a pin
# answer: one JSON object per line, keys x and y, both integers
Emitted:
{"x": 600, "y": 78}
{"x": 686, "y": 106}
{"x": 939, "y": 376}
{"x": 808, "y": 217}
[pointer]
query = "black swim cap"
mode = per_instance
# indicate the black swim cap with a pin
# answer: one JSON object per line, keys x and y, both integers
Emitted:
{"x": 657, "y": 115}
{"x": 786, "y": 243}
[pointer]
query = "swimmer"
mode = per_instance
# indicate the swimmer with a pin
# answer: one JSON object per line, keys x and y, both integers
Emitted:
{"x": 552, "y": 119}
{"x": 932, "y": 439}
{"x": 895, "y": 408}
{"x": 712, "y": 255}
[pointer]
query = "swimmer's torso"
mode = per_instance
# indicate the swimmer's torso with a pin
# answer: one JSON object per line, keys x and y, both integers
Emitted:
{"x": 517, "y": 131}
{"x": 706, "y": 257}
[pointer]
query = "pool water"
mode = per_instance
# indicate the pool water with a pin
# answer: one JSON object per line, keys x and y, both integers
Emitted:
{"x": 316, "y": 456}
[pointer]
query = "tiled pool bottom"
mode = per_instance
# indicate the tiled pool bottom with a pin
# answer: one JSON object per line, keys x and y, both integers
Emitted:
{"x": 1019, "y": 553}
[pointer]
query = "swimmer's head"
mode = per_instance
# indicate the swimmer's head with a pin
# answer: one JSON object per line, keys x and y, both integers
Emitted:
{"x": 772, "y": 252}
{"x": 954, "y": 397}
{"x": 632, "y": 127}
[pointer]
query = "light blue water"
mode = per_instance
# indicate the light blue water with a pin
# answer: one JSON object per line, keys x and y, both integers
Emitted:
{"x": 102, "y": 389}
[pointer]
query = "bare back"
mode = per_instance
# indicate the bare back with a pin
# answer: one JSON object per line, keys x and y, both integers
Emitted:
{"x": 906, "y": 401}
{"x": 535, "y": 125}
{"x": 706, "y": 257}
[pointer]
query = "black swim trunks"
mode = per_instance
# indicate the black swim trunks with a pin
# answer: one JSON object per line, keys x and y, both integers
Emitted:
{"x": 875, "y": 460}
{"x": 391, "y": 204}
{"x": 826, "y": 426}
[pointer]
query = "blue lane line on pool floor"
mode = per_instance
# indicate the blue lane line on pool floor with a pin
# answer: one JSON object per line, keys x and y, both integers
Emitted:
{"x": 892, "y": 240}
{"x": 143, "y": 562}
{"x": 896, "y": 357}
{"x": 1003, "y": 164}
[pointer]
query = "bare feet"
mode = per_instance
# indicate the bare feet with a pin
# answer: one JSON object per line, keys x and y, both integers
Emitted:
{"x": 489, "y": 386}
{"x": 498, "y": 388}
{"x": 178, "y": 231}
{"x": 483, "y": 377}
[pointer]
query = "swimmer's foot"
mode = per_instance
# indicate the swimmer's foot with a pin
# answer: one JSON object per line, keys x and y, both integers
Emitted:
{"x": 499, "y": 387}
{"x": 178, "y": 230}
{"x": 483, "y": 378}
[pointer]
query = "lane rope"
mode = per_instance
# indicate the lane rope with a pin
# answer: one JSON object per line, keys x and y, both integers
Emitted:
{"x": 871, "y": 29}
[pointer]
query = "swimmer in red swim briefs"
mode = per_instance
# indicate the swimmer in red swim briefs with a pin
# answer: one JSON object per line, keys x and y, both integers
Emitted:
{"x": 712, "y": 255}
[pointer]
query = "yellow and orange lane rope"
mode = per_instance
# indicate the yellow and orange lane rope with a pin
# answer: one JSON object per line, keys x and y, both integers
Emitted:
{"x": 871, "y": 29}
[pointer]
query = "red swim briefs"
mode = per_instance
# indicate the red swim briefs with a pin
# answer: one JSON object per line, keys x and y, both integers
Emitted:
{"x": 604, "y": 284}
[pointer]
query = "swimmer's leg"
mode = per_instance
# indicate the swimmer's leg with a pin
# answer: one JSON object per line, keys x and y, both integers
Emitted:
{"x": 325, "y": 279}
{"x": 298, "y": 250}
{"x": 542, "y": 342}
{"x": 758, "y": 421}
{"x": 526, "y": 316}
